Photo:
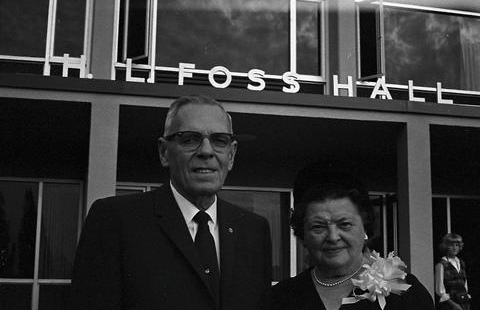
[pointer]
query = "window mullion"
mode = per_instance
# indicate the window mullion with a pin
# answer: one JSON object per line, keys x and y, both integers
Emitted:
{"x": 87, "y": 39}
{"x": 449, "y": 216}
{"x": 116, "y": 23}
{"x": 293, "y": 244}
{"x": 50, "y": 40}
{"x": 153, "y": 38}
{"x": 293, "y": 36}
{"x": 384, "y": 225}
{"x": 381, "y": 38}
{"x": 323, "y": 42}
{"x": 35, "y": 288}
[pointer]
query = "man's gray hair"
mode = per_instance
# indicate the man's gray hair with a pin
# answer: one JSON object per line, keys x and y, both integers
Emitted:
{"x": 192, "y": 99}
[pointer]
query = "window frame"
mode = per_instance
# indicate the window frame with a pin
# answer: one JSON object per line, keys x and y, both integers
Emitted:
{"x": 36, "y": 282}
{"x": 381, "y": 45}
{"x": 49, "y": 57}
{"x": 151, "y": 67}
{"x": 448, "y": 205}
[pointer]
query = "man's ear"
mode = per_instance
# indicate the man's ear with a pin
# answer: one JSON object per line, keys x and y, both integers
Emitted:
{"x": 162, "y": 151}
{"x": 231, "y": 154}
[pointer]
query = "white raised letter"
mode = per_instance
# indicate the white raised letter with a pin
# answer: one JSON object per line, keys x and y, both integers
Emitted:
{"x": 128, "y": 73}
{"x": 256, "y": 76}
{"x": 411, "y": 97}
{"x": 290, "y": 78}
{"x": 182, "y": 74}
{"x": 376, "y": 90}
{"x": 348, "y": 86}
{"x": 223, "y": 71}
{"x": 439, "y": 95}
{"x": 74, "y": 63}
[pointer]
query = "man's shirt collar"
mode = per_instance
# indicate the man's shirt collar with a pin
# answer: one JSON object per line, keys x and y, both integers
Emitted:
{"x": 189, "y": 210}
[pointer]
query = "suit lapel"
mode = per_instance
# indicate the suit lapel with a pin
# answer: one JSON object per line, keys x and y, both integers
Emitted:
{"x": 171, "y": 222}
{"x": 228, "y": 228}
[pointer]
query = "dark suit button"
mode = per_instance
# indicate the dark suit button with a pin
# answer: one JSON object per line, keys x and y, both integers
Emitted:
{"x": 207, "y": 271}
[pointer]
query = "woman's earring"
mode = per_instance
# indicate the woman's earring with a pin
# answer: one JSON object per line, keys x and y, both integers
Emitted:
{"x": 365, "y": 237}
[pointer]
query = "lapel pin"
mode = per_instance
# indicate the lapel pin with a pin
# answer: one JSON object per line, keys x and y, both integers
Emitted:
{"x": 230, "y": 230}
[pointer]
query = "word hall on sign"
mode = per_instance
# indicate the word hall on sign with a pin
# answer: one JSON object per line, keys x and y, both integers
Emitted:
{"x": 381, "y": 89}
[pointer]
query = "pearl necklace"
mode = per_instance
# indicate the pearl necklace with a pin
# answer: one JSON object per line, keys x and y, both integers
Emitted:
{"x": 334, "y": 283}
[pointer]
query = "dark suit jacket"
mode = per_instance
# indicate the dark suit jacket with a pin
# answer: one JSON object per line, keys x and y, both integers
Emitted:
{"x": 136, "y": 252}
{"x": 299, "y": 293}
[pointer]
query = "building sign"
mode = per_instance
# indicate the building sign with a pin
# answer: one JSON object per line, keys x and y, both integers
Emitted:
{"x": 221, "y": 77}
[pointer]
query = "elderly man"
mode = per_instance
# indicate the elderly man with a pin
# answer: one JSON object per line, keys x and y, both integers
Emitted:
{"x": 179, "y": 247}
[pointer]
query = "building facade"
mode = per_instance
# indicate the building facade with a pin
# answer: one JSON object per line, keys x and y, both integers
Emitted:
{"x": 390, "y": 90}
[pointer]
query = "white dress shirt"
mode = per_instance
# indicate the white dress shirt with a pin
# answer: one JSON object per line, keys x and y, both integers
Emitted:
{"x": 189, "y": 210}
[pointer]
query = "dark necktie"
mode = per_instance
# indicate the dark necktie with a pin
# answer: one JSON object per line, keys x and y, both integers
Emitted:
{"x": 206, "y": 248}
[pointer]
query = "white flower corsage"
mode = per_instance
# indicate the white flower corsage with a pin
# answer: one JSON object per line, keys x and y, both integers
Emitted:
{"x": 378, "y": 280}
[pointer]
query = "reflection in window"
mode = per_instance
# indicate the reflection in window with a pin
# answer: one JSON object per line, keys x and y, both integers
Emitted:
{"x": 23, "y": 27}
{"x": 18, "y": 221}
{"x": 15, "y": 296}
{"x": 69, "y": 27}
{"x": 20, "y": 204}
{"x": 53, "y": 297}
{"x": 237, "y": 34}
{"x": 60, "y": 213}
{"x": 430, "y": 47}
{"x": 439, "y": 216}
{"x": 369, "y": 41}
{"x": 274, "y": 206}
{"x": 133, "y": 42}
{"x": 376, "y": 237}
{"x": 29, "y": 44}
{"x": 308, "y": 38}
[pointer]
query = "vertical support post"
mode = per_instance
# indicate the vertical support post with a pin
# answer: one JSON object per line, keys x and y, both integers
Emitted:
{"x": 102, "y": 157}
{"x": 341, "y": 20}
{"x": 102, "y": 39}
{"x": 415, "y": 199}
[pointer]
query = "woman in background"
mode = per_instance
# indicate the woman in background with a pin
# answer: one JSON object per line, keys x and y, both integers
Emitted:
{"x": 450, "y": 277}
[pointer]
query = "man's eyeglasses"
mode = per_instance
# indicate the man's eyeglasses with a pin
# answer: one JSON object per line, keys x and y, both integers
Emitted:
{"x": 191, "y": 140}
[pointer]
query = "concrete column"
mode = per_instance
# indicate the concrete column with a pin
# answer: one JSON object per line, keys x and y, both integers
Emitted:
{"x": 102, "y": 158}
{"x": 341, "y": 42}
{"x": 415, "y": 200}
{"x": 102, "y": 39}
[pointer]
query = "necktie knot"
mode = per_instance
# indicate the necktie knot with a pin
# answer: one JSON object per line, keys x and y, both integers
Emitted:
{"x": 201, "y": 218}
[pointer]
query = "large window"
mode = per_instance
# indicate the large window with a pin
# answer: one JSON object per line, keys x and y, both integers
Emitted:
{"x": 274, "y": 205}
{"x": 39, "y": 227}
{"x": 35, "y": 35}
{"x": 423, "y": 44}
{"x": 275, "y": 36}
{"x": 431, "y": 47}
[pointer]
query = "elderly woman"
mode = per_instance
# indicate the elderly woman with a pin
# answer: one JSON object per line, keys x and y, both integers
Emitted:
{"x": 332, "y": 221}
{"x": 450, "y": 277}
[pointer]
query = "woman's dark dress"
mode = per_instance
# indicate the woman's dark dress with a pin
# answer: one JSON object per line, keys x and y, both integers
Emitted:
{"x": 454, "y": 282}
{"x": 299, "y": 293}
